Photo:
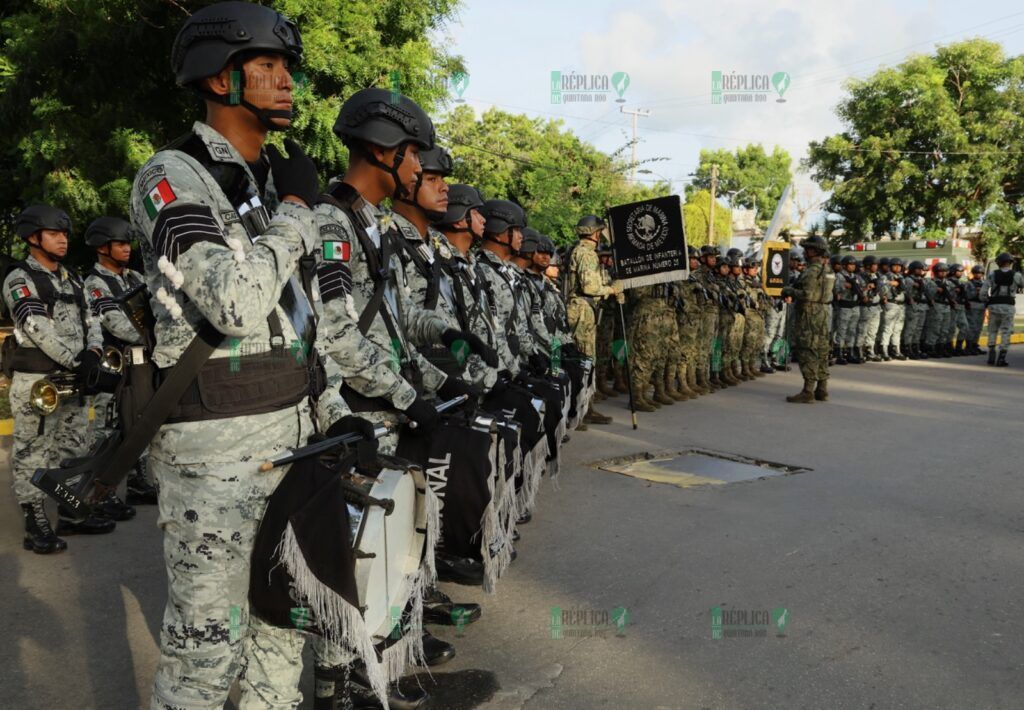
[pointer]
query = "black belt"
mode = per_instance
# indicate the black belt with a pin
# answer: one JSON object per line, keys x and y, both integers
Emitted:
{"x": 872, "y": 305}
{"x": 847, "y": 304}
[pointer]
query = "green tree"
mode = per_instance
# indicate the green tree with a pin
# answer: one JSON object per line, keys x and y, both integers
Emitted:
{"x": 930, "y": 143}
{"x": 87, "y": 95}
{"x": 748, "y": 177}
{"x": 550, "y": 171}
{"x": 697, "y": 217}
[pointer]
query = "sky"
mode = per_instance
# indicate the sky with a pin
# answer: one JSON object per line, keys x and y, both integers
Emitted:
{"x": 669, "y": 49}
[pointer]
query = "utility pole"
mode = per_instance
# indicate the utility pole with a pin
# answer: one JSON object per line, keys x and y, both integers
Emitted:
{"x": 711, "y": 211}
{"x": 635, "y": 113}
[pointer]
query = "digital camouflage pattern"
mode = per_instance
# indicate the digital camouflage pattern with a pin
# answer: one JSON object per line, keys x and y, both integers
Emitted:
{"x": 812, "y": 292}
{"x": 586, "y": 286}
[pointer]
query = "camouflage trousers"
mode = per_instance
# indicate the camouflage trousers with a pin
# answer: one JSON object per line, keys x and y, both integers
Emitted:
{"x": 708, "y": 336}
{"x": 811, "y": 344}
{"x": 893, "y": 321}
{"x": 868, "y": 324}
{"x": 582, "y": 325}
{"x": 774, "y": 331}
{"x": 212, "y": 498}
{"x": 62, "y": 435}
{"x": 913, "y": 327}
{"x": 649, "y": 341}
{"x": 1000, "y": 325}
{"x": 957, "y": 328}
{"x": 688, "y": 327}
{"x": 753, "y": 336}
{"x": 975, "y": 321}
{"x": 936, "y": 324}
{"x": 846, "y": 326}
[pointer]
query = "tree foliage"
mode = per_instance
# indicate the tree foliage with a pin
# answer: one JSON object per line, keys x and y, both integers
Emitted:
{"x": 748, "y": 177}
{"x": 697, "y": 217}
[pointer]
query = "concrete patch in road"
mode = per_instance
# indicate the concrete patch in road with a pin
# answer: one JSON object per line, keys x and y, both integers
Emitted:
{"x": 696, "y": 467}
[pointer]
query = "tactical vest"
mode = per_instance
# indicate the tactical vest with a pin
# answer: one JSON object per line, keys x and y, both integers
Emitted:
{"x": 23, "y": 358}
{"x": 1003, "y": 291}
{"x": 117, "y": 291}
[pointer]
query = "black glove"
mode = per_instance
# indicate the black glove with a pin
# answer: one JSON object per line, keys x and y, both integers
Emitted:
{"x": 88, "y": 370}
{"x": 424, "y": 414}
{"x": 294, "y": 175}
{"x": 476, "y": 345}
{"x": 571, "y": 352}
{"x": 454, "y": 387}
{"x": 367, "y": 448}
{"x": 539, "y": 363}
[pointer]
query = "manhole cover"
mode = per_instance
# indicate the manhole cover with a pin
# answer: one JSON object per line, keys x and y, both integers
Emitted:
{"x": 696, "y": 468}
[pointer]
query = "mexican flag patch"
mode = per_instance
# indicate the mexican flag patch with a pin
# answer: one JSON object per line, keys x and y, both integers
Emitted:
{"x": 96, "y": 293}
{"x": 20, "y": 293}
{"x": 158, "y": 198}
{"x": 337, "y": 251}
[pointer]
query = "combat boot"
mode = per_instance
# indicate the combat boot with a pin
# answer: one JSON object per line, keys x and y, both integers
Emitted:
{"x": 991, "y": 355}
{"x": 974, "y": 349}
{"x": 739, "y": 373}
{"x": 1001, "y": 361}
{"x": 806, "y": 395}
{"x": 945, "y": 350}
{"x": 597, "y": 396}
{"x": 961, "y": 348}
{"x": 660, "y": 395}
{"x": 821, "y": 391}
{"x": 39, "y": 536}
{"x": 876, "y": 356}
{"x": 91, "y": 525}
{"x": 841, "y": 358}
{"x": 670, "y": 384}
{"x": 694, "y": 383}
{"x": 140, "y": 490}
{"x": 620, "y": 385}
{"x": 727, "y": 376}
{"x": 753, "y": 370}
{"x": 766, "y": 366}
{"x": 925, "y": 353}
{"x": 603, "y": 387}
{"x": 113, "y": 508}
{"x": 641, "y": 404}
{"x": 684, "y": 385}
{"x": 897, "y": 353}
{"x": 884, "y": 354}
{"x": 595, "y": 417}
{"x": 853, "y": 356}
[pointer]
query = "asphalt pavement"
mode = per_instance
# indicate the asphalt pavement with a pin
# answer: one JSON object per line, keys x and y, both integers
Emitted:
{"x": 895, "y": 561}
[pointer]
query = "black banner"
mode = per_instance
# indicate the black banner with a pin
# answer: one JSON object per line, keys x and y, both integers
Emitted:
{"x": 775, "y": 267}
{"x": 648, "y": 242}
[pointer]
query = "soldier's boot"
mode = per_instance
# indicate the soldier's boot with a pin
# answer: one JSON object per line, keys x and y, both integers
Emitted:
{"x": 961, "y": 348}
{"x": 602, "y": 383}
{"x": 726, "y": 376}
{"x": 821, "y": 391}
{"x": 620, "y": 385}
{"x": 39, "y": 536}
{"x": 1001, "y": 360}
{"x": 853, "y": 356}
{"x": 754, "y": 367}
{"x": 974, "y": 349}
{"x": 806, "y": 395}
{"x": 670, "y": 384}
{"x": 885, "y": 354}
{"x": 737, "y": 371}
{"x": 693, "y": 381}
{"x": 991, "y": 355}
{"x": 595, "y": 417}
{"x": 683, "y": 386}
{"x": 909, "y": 351}
{"x": 641, "y": 403}
{"x": 946, "y": 349}
{"x": 716, "y": 377}
{"x": 597, "y": 396}
{"x": 113, "y": 508}
{"x": 140, "y": 490}
{"x": 92, "y": 525}
{"x": 833, "y": 356}
{"x": 876, "y": 355}
{"x": 841, "y": 357}
{"x": 766, "y": 365}
{"x": 710, "y": 379}
{"x": 926, "y": 351}
{"x": 660, "y": 394}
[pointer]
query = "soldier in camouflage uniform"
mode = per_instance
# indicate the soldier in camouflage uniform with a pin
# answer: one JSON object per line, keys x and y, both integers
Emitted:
{"x": 892, "y": 287}
{"x": 974, "y": 293}
{"x": 228, "y": 265}
{"x": 53, "y": 335}
{"x": 849, "y": 292}
{"x": 585, "y": 288}
{"x": 870, "y": 311}
{"x": 754, "y": 331}
{"x": 109, "y": 279}
{"x": 812, "y": 292}
{"x": 608, "y": 327}
{"x": 1001, "y": 288}
{"x": 689, "y": 317}
{"x": 956, "y": 333}
{"x": 835, "y": 263}
{"x": 731, "y": 327}
{"x": 709, "y": 355}
{"x": 648, "y": 347}
{"x": 937, "y": 292}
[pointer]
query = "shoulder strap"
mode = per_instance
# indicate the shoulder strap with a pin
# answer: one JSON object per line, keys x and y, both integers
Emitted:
{"x": 112, "y": 283}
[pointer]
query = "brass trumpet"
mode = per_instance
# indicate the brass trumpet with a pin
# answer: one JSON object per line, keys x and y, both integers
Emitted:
{"x": 46, "y": 393}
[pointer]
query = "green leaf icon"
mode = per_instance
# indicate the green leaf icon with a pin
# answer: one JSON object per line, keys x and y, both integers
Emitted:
{"x": 460, "y": 349}
{"x": 780, "y": 80}
{"x": 620, "y": 350}
{"x": 620, "y": 82}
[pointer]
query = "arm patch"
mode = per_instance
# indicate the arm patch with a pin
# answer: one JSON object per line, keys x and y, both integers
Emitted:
{"x": 335, "y": 279}
{"x": 28, "y": 306}
{"x": 179, "y": 227}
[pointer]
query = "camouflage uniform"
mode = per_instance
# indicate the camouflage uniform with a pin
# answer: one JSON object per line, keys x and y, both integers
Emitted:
{"x": 976, "y": 295}
{"x": 754, "y": 330}
{"x": 917, "y": 312}
{"x": 585, "y": 286}
{"x": 847, "y": 308}
{"x": 938, "y": 314}
{"x": 957, "y": 329}
{"x": 710, "y": 344}
{"x": 1001, "y": 288}
{"x": 201, "y": 264}
{"x": 61, "y": 330}
{"x": 894, "y": 313}
{"x": 812, "y": 292}
{"x": 647, "y": 333}
{"x": 775, "y": 317}
{"x": 692, "y": 336}
{"x": 870, "y": 313}
{"x": 511, "y": 309}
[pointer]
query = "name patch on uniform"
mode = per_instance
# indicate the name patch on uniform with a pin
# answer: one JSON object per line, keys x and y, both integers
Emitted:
{"x": 20, "y": 292}
{"x": 229, "y": 217}
{"x": 337, "y": 251}
{"x": 150, "y": 174}
{"x": 158, "y": 198}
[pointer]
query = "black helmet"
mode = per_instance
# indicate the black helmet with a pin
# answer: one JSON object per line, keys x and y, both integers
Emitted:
{"x": 734, "y": 252}
{"x": 915, "y": 265}
{"x": 895, "y": 261}
{"x": 104, "y": 230}
{"x": 751, "y": 263}
{"x": 1004, "y": 258}
{"x": 218, "y": 34}
{"x": 436, "y": 160}
{"x": 955, "y": 267}
{"x": 373, "y": 116}
{"x": 816, "y": 243}
{"x": 977, "y": 269}
{"x": 461, "y": 199}
{"x": 531, "y": 240}
{"x": 692, "y": 252}
{"x": 796, "y": 255}
{"x": 940, "y": 266}
{"x": 835, "y": 259}
{"x": 869, "y": 260}
{"x": 589, "y": 224}
{"x": 545, "y": 245}
{"x": 37, "y": 217}
{"x": 735, "y": 260}
{"x": 848, "y": 259}
{"x": 885, "y": 261}
{"x": 502, "y": 215}
{"x": 709, "y": 250}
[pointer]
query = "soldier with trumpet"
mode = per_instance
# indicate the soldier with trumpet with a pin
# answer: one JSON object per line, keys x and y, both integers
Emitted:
{"x": 54, "y": 337}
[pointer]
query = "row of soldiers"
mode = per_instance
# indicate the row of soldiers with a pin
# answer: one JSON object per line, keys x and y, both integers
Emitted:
{"x": 444, "y": 297}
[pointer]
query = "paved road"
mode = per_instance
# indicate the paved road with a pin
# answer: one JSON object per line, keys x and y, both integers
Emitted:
{"x": 899, "y": 558}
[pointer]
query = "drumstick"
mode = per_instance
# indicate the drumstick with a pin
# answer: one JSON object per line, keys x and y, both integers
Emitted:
{"x": 321, "y": 446}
